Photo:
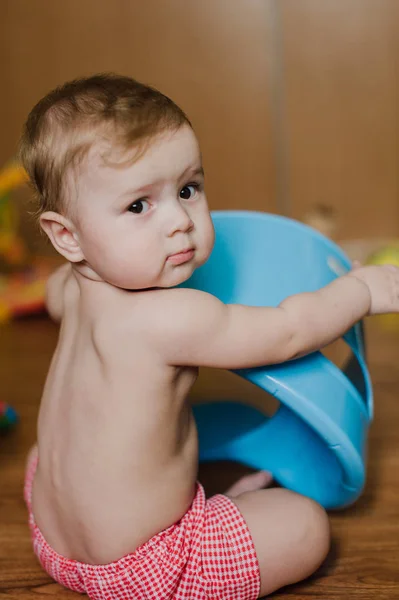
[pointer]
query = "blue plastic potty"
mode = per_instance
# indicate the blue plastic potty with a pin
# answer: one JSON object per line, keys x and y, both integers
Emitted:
{"x": 315, "y": 443}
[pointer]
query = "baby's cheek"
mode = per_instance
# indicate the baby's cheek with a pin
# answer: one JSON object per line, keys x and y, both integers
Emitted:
{"x": 208, "y": 240}
{"x": 138, "y": 271}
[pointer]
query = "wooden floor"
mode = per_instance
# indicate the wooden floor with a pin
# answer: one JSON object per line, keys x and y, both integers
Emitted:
{"x": 364, "y": 560}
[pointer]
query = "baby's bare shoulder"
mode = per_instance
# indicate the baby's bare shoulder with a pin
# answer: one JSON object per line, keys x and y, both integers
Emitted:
{"x": 153, "y": 320}
{"x": 178, "y": 318}
{"x": 153, "y": 311}
{"x": 152, "y": 307}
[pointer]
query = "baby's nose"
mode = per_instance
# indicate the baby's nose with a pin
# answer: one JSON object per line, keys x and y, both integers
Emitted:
{"x": 181, "y": 221}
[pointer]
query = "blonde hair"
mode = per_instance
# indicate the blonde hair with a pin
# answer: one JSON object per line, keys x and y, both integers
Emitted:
{"x": 64, "y": 125}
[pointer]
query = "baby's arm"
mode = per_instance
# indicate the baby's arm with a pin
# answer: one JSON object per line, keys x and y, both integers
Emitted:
{"x": 195, "y": 328}
{"x": 55, "y": 292}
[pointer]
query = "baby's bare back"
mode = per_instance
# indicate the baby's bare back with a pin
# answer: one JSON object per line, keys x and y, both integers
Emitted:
{"x": 117, "y": 441}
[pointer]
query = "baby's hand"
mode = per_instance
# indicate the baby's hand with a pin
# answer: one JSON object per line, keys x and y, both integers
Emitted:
{"x": 383, "y": 284}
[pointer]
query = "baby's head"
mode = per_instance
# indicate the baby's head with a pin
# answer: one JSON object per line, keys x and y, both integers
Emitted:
{"x": 117, "y": 170}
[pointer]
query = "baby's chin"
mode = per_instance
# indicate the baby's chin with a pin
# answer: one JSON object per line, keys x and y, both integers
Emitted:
{"x": 177, "y": 279}
{"x": 183, "y": 272}
{"x": 160, "y": 283}
{"x": 170, "y": 277}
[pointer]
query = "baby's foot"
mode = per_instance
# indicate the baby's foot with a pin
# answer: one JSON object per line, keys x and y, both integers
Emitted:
{"x": 250, "y": 483}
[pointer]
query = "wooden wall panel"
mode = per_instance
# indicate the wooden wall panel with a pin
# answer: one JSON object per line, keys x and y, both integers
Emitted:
{"x": 340, "y": 91}
{"x": 209, "y": 56}
{"x": 295, "y": 101}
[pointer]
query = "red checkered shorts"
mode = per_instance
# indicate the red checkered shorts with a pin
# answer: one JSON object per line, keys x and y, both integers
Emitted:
{"x": 207, "y": 555}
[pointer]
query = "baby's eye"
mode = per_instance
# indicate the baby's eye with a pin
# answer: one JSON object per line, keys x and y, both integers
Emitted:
{"x": 139, "y": 206}
{"x": 189, "y": 191}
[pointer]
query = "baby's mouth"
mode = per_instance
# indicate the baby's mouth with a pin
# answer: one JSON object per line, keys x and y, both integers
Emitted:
{"x": 181, "y": 257}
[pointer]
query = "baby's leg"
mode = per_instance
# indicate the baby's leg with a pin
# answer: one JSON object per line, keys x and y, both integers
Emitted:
{"x": 250, "y": 483}
{"x": 291, "y": 535}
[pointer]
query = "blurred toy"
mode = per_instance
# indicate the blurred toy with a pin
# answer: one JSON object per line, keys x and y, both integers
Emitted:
{"x": 371, "y": 251}
{"x": 323, "y": 218}
{"x": 13, "y": 252}
{"x": 22, "y": 276}
{"x": 8, "y": 417}
{"x": 23, "y": 293}
{"x": 387, "y": 255}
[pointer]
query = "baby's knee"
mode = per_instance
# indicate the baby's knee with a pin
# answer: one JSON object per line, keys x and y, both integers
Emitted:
{"x": 313, "y": 534}
{"x": 291, "y": 534}
{"x": 307, "y": 541}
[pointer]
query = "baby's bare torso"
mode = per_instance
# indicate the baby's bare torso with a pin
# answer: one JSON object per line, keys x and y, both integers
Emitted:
{"x": 117, "y": 441}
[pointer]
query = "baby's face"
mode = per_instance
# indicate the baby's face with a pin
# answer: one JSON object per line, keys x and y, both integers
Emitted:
{"x": 146, "y": 224}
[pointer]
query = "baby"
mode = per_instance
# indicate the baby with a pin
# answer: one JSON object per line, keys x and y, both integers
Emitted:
{"x": 115, "y": 510}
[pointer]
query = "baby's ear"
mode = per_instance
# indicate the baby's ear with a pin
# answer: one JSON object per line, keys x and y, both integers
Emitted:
{"x": 62, "y": 235}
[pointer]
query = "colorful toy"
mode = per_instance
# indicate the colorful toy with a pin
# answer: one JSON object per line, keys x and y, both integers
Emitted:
{"x": 387, "y": 255}
{"x": 315, "y": 443}
{"x": 13, "y": 253}
{"x": 23, "y": 293}
{"x": 22, "y": 277}
{"x": 8, "y": 417}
